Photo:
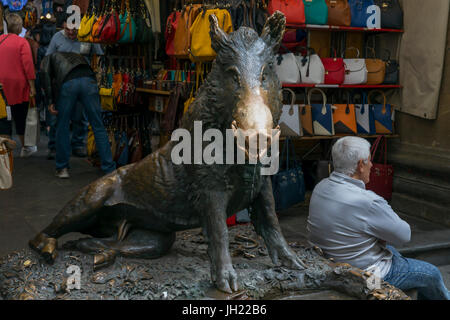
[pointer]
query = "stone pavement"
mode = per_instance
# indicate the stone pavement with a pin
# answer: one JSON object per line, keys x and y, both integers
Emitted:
{"x": 37, "y": 196}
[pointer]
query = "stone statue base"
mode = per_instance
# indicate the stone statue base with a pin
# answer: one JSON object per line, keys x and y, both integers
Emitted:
{"x": 184, "y": 274}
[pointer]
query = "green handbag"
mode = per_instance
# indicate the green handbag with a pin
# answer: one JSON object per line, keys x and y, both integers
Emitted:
{"x": 127, "y": 25}
{"x": 144, "y": 32}
{"x": 316, "y": 11}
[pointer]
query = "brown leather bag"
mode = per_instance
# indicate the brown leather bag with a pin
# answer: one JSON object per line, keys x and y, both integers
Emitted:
{"x": 339, "y": 13}
{"x": 376, "y": 70}
{"x": 182, "y": 38}
{"x": 306, "y": 120}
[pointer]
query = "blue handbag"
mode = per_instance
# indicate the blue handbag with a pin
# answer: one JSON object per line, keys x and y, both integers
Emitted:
{"x": 288, "y": 185}
{"x": 382, "y": 114}
{"x": 122, "y": 159}
{"x": 316, "y": 11}
{"x": 365, "y": 122}
{"x": 359, "y": 13}
{"x": 322, "y": 115}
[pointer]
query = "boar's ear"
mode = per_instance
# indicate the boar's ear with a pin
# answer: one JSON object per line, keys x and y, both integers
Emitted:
{"x": 219, "y": 38}
{"x": 273, "y": 30}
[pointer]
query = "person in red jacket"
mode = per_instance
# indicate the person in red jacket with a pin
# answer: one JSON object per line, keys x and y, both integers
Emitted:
{"x": 17, "y": 74}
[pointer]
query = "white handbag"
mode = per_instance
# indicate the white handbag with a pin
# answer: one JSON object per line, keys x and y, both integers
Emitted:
{"x": 311, "y": 68}
{"x": 286, "y": 68}
{"x": 355, "y": 70}
{"x": 290, "y": 123}
{"x": 32, "y": 131}
{"x": 364, "y": 116}
{"x": 5, "y": 166}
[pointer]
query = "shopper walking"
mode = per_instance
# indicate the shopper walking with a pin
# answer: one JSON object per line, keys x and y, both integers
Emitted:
{"x": 66, "y": 41}
{"x": 73, "y": 82}
{"x": 17, "y": 74}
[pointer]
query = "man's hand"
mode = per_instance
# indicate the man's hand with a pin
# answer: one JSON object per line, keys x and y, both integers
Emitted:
{"x": 32, "y": 92}
{"x": 52, "y": 110}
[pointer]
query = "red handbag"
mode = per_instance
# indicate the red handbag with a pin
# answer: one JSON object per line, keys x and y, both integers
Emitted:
{"x": 293, "y": 10}
{"x": 382, "y": 174}
{"x": 334, "y": 70}
{"x": 110, "y": 30}
{"x": 171, "y": 27}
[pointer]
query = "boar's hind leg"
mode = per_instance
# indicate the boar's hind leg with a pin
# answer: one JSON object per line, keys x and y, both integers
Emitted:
{"x": 266, "y": 225}
{"x": 138, "y": 243}
{"x": 76, "y": 216}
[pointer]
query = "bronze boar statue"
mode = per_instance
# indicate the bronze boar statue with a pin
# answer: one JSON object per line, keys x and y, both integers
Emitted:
{"x": 136, "y": 210}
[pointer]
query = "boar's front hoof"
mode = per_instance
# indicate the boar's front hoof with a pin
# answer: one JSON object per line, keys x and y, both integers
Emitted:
{"x": 45, "y": 246}
{"x": 291, "y": 261}
{"x": 226, "y": 280}
{"x": 104, "y": 259}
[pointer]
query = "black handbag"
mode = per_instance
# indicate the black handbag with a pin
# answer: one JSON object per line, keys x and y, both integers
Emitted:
{"x": 391, "y": 75}
{"x": 288, "y": 185}
{"x": 391, "y": 14}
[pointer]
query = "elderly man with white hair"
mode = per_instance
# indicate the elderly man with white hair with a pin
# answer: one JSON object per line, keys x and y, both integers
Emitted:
{"x": 354, "y": 225}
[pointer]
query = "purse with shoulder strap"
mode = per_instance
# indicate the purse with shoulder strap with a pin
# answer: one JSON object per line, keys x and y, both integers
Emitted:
{"x": 182, "y": 38}
{"x": 376, "y": 69}
{"x": 201, "y": 49}
{"x": 127, "y": 24}
{"x": 339, "y": 13}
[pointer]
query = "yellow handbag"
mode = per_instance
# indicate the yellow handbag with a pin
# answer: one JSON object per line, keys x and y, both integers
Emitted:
{"x": 199, "y": 74}
{"x": 201, "y": 49}
{"x": 84, "y": 33}
{"x": 3, "y": 113}
{"x": 107, "y": 99}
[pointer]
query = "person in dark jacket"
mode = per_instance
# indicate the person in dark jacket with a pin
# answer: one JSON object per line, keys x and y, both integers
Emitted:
{"x": 68, "y": 79}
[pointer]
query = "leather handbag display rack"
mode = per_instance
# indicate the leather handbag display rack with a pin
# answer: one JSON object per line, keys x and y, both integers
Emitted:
{"x": 339, "y": 13}
{"x": 381, "y": 174}
{"x": 294, "y": 10}
{"x": 376, "y": 69}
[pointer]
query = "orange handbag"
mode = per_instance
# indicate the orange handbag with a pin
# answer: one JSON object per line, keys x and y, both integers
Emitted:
{"x": 306, "y": 119}
{"x": 376, "y": 70}
{"x": 339, "y": 13}
{"x": 182, "y": 39}
{"x": 344, "y": 117}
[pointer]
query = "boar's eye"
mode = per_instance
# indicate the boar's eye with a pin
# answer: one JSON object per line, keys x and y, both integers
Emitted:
{"x": 265, "y": 74}
{"x": 235, "y": 74}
